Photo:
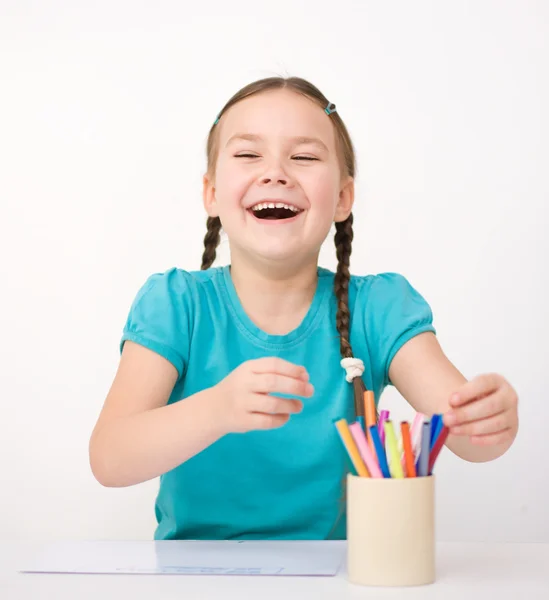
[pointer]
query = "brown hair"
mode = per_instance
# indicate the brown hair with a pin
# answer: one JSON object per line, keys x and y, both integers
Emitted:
{"x": 344, "y": 230}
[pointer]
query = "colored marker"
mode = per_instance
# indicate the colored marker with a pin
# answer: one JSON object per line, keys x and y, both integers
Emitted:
{"x": 370, "y": 408}
{"x": 370, "y": 412}
{"x": 401, "y": 453}
{"x": 440, "y": 425}
{"x": 379, "y": 451}
{"x": 437, "y": 447}
{"x": 360, "y": 420}
{"x": 395, "y": 467}
{"x": 435, "y": 420}
{"x": 423, "y": 462}
{"x": 350, "y": 446}
{"x": 365, "y": 451}
{"x": 408, "y": 451}
{"x": 415, "y": 438}
{"x": 383, "y": 416}
{"x": 417, "y": 427}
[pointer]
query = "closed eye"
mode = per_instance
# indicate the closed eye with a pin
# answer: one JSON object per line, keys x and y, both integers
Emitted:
{"x": 247, "y": 155}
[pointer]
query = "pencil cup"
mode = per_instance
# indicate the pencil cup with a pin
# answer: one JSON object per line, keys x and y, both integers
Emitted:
{"x": 390, "y": 531}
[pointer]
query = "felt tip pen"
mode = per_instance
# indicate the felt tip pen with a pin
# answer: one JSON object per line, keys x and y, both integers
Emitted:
{"x": 365, "y": 451}
{"x": 395, "y": 468}
{"x": 383, "y": 416}
{"x": 349, "y": 444}
{"x": 408, "y": 450}
{"x": 379, "y": 451}
{"x": 438, "y": 447}
{"x": 423, "y": 463}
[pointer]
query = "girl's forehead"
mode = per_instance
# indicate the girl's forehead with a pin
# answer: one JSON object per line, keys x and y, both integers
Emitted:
{"x": 278, "y": 113}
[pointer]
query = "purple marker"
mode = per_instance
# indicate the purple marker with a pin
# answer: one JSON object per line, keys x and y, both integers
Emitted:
{"x": 383, "y": 416}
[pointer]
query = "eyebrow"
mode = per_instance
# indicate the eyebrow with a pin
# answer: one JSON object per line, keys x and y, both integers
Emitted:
{"x": 298, "y": 140}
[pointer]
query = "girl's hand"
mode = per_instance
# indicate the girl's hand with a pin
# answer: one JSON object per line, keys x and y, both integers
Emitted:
{"x": 242, "y": 399}
{"x": 485, "y": 409}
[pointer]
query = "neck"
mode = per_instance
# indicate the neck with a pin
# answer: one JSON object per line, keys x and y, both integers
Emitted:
{"x": 276, "y": 298}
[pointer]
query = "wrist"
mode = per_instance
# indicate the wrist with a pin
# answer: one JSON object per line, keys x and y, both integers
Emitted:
{"x": 213, "y": 418}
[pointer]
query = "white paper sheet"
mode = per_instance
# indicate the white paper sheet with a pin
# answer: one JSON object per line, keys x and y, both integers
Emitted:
{"x": 191, "y": 557}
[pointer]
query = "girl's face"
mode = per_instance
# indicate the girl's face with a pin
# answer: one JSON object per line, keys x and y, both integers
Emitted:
{"x": 277, "y": 149}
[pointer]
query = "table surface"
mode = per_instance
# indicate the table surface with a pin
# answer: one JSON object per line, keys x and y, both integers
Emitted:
{"x": 502, "y": 571}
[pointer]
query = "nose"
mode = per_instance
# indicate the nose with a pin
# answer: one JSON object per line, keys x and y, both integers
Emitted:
{"x": 267, "y": 180}
{"x": 274, "y": 175}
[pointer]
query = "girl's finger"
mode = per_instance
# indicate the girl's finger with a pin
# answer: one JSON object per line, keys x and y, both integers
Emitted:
{"x": 491, "y": 425}
{"x": 476, "y": 410}
{"x": 275, "y": 365}
{"x": 492, "y": 439}
{"x": 482, "y": 385}
{"x": 262, "y": 403}
{"x": 263, "y": 421}
{"x": 267, "y": 383}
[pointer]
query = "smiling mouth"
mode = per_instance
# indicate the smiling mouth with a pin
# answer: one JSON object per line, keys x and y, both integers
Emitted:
{"x": 274, "y": 213}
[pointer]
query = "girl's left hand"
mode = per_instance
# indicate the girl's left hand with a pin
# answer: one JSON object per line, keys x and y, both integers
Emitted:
{"x": 485, "y": 409}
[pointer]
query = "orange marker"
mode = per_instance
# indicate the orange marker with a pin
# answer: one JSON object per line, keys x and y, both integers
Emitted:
{"x": 351, "y": 447}
{"x": 407, "y": 447}
{"x": 370, "y": 412}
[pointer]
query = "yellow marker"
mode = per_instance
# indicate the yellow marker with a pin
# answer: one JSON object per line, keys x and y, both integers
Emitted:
{"x": 351, "y": 447}
{"x": 395, "y": 466}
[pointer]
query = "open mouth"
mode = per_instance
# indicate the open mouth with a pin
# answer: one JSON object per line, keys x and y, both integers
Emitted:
{"x": 274, "y": 212}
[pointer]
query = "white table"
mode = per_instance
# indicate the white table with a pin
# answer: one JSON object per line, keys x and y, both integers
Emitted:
{"x": 493, "y": 571}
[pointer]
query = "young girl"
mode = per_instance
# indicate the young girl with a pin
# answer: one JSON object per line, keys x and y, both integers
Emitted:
{"x": 230, "y": 377}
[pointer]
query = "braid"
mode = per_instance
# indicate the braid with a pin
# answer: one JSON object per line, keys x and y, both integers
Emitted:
{"x": 211, "y": 242}
{"x": 343, "y": 242}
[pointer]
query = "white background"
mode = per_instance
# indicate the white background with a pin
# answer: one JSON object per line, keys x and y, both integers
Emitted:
{"x": 104, "y": 112}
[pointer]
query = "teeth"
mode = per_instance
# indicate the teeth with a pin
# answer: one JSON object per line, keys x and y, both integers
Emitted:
{"x": 263, "y": 205}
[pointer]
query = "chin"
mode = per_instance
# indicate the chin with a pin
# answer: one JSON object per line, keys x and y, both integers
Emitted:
{"x": 281, "y": 255}
{"x": 276, "y": 254}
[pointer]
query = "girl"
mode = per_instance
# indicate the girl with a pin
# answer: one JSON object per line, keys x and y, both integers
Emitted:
{"x": 230, "y": 377}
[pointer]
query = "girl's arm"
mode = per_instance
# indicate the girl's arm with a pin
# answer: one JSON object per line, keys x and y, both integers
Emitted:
{"x": 483, "y": 419}
{"x": 137, "y": 436}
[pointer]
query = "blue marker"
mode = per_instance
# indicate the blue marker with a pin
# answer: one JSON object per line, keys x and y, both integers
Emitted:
{"x": 380, "y": 451}
{"x": 440, "y": 425}
{"x": 436, "y": 426}
{"x": 423, "y": 462}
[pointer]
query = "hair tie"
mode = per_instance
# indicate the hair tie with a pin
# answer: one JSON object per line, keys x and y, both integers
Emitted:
{"x": 353, "y": 366}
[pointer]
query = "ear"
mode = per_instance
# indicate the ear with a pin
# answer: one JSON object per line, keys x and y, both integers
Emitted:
{"x": 346, "y": 200}
{"x": 208, "y": 196}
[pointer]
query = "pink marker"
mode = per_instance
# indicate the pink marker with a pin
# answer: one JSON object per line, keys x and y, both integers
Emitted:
{"x": 383, "y": 416}
{"x": 365, "y": 452}
{"x": 415, "y": 433}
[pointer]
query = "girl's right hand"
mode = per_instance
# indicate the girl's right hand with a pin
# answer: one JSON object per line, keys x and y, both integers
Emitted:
{"x": 243, "y": 400}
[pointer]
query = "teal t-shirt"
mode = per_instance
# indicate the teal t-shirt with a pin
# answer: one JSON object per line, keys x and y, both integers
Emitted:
{"x": 284, "y": 483}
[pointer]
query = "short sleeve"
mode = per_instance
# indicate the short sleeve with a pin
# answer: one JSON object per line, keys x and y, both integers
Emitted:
{"x": 395, "y": 313}
{"x": 160, "y": 318}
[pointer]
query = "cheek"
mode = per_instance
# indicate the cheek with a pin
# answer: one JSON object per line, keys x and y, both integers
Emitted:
{"x": 231, "y": 185}
{"x": 322, "y": 189}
